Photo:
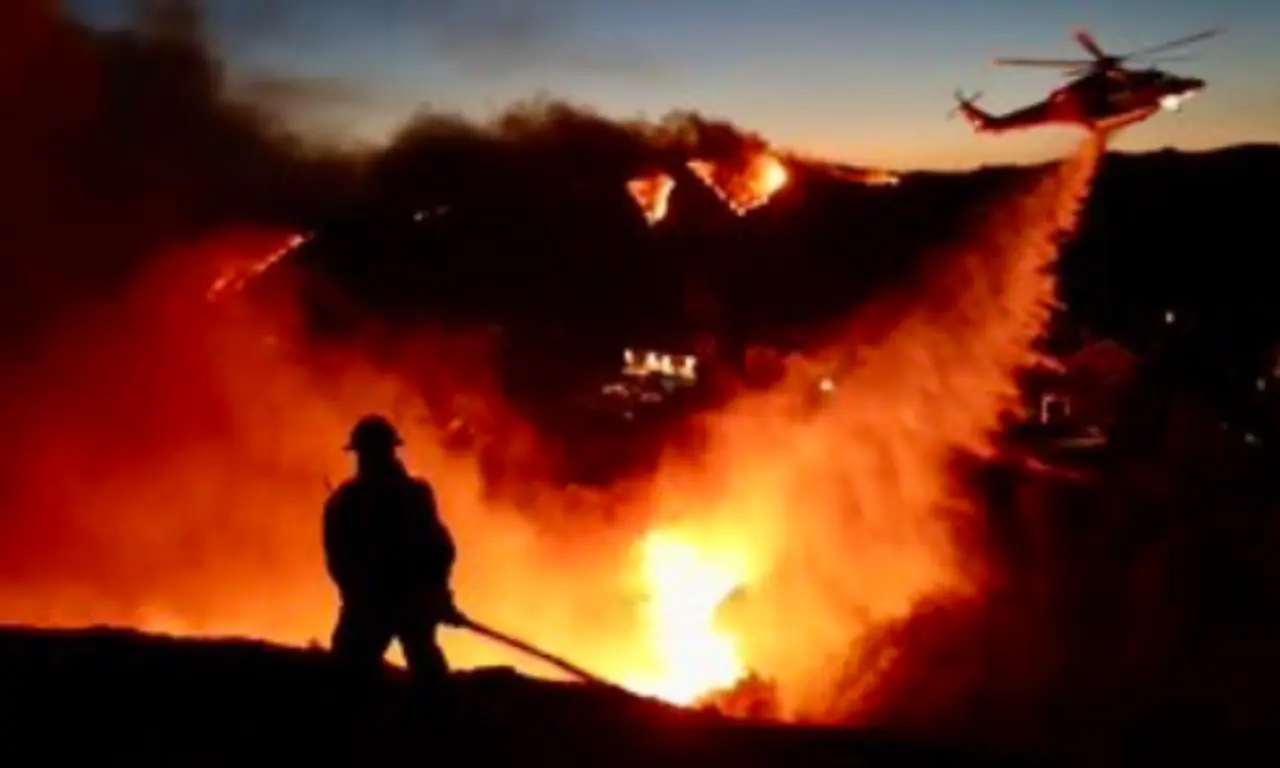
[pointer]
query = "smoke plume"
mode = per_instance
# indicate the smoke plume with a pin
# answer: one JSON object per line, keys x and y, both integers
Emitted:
{"x": 117, "y": 144}
{"x": 167, "y": 456}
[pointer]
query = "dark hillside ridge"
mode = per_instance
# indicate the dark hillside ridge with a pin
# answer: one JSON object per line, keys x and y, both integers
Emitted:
{"x": 1192, "y": 229}
{"x": 110, "y": 695}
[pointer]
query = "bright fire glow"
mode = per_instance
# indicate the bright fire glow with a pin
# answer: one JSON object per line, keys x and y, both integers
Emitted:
{"x": 881, "y": 178}
{"x": 747, "y": 187}
{"x": 653, "y": 194}
{"x": 686, "y": 588}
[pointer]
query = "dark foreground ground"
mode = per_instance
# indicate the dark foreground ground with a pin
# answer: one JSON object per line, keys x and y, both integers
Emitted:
{"x": 113, "y": 696}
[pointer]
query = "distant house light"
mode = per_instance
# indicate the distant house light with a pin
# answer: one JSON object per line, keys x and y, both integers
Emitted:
{"x": 1170, "y": 317}
{"x": 1261, "y": 384}
{"x": 615, "y": 389}
{"x": 684, "y": 367}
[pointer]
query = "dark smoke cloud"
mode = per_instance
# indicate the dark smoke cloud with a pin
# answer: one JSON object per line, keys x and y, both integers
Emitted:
{"x": 574, "y": 251}
{"x": 293, "y": 94}
{"x": 544, "y": 141}
{"x": 128, "y": 141}
{"x": 118, "y": 149}
{"x": 119, "y": 143}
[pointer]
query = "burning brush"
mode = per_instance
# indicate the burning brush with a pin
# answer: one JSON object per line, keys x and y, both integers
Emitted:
{"x": 747, "y": 186}
{"x": 744, "y": 184}
{"x": 652, "y": 193}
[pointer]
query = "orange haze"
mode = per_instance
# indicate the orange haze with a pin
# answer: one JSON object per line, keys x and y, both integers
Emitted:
{"x": 174, "y": 452}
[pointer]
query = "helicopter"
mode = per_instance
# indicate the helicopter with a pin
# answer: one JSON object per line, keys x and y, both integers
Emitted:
{"x": 1104, "y": 96}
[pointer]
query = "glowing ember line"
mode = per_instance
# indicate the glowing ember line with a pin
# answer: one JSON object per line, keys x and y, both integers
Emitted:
{"x": 234, "y": 280}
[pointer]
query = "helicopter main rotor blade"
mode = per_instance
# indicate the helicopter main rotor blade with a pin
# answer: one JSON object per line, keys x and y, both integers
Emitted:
{"x": 1086, "y": 41}
{"x": 1189, "y": 39}
{"x": 1055, "y": 63}
{"x": 1158, "y": 60}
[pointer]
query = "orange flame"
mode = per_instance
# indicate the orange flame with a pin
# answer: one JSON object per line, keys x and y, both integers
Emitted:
{"x": 686, "y": 587}
{"x": 880, "y": 178}
{"x": 747, "y": 188}
{"x": 653, "y": 194}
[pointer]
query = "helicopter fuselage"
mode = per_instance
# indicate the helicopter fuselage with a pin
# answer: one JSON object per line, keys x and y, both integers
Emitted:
{"x": 1104, "y": 95}
{"x": 1118, "y": 97}
{"x": 1100, "y": 101}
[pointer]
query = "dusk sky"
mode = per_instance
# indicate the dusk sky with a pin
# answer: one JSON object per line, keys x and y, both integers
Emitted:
{"x": 863, "y": 82}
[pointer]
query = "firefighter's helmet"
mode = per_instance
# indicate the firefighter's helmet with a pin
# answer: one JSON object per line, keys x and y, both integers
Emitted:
{"x": 373, "y": 433}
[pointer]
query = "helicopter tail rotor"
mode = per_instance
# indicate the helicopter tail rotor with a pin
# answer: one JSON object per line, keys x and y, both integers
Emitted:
{"x": 962, "y": 102}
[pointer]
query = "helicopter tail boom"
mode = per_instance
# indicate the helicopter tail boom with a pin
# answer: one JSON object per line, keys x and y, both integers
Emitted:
{"x": 977, "y": 118}
{"x": 982, "y": 121}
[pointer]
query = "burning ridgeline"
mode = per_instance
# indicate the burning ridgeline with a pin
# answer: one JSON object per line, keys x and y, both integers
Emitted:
{"x": 744, "y": 177}
{"x": 743, "y": 184}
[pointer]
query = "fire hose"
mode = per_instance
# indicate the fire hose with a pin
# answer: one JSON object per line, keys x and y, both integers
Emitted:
{"x": 467, "y": 623}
